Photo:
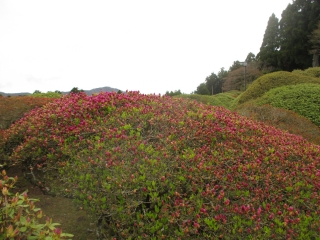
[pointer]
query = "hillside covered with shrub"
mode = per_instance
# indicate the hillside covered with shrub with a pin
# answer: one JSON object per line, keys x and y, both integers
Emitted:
{"x": 158, "y": 167}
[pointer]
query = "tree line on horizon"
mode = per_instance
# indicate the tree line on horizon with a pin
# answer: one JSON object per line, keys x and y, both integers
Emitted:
{"x": 291, "y": 43}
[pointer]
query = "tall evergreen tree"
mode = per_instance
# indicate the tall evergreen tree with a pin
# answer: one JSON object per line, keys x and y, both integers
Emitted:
{"x": 298, "y": 21}
{"x": 269, "y": 49}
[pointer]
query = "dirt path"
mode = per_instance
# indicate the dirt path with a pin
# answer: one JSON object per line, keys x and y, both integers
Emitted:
{"x": 61, "y": 210}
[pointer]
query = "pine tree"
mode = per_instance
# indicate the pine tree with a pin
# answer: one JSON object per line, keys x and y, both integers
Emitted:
{"x": 269, "y": 49}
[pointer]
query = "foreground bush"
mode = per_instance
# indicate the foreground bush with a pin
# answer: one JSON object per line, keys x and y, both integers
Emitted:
{"x": 154, "y": 167}
{"x": 18, "y": 216}
{"x": 273, "y": 80}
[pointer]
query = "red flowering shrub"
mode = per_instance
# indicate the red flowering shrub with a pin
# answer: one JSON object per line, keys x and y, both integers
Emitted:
{"x": 156, "y": 167}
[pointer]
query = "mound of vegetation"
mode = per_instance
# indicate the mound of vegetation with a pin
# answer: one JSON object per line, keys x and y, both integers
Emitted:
{"x": 13, "y": 108}
{"x": 303, "y": 99}
{"x": 281, "y": 118}
{"x": 222, "y": 99}
{"x": 156, "y": 167}
{"x": 312, "y": 72}
{"x": 273, "y": 80}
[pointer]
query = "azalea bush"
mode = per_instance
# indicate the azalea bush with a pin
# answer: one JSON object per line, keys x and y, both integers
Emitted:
{"x": 153, "y": 167}
{"x": 19, "y": 216}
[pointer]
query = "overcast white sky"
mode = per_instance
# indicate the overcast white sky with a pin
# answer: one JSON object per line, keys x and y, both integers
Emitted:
{"x": 146, "y": 45}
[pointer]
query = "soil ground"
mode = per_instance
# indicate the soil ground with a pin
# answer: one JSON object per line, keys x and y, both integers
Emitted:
{"x": 62, "y": 210}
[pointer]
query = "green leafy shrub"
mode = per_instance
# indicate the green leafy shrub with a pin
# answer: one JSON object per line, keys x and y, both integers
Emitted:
{"x": 153, "y": 167}
{"x": 18, "y": 216}
{"x": 270, "y": 81}
{"x": 303, "y": 99}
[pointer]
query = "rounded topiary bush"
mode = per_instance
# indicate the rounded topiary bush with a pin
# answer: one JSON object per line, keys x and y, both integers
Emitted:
{"x": 273, "y": 80}
{"x": 312, "y": 72}
{"x": 155, "y": 167}
{"x": 303, "y": 99}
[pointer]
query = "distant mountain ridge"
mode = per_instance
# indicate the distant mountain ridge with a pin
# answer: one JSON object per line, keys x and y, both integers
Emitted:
{"x": 88, "y": 92}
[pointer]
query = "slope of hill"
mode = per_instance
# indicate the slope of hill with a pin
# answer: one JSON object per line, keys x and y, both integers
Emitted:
{"x": 97, "y": 90}
{"x": 14, "y": 94}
